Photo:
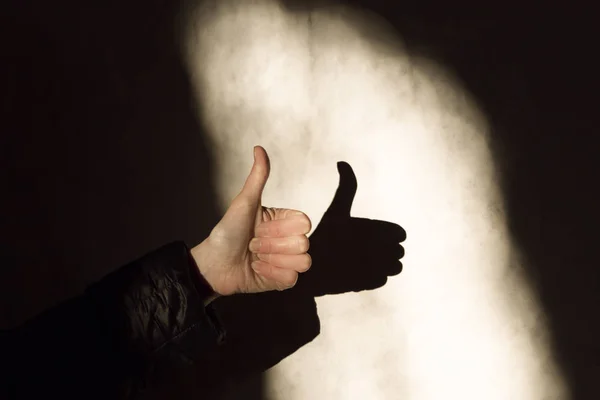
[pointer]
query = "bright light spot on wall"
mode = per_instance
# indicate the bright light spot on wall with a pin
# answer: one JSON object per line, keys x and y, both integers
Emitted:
{"x": 313, "y": 89}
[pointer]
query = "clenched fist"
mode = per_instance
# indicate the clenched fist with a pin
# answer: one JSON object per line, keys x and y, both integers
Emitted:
{"x": 254, "y": 248}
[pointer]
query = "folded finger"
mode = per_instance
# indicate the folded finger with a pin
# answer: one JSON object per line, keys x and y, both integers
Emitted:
{"x": 282, "y": 278}
{"x": 297, "y": 262}
{"x": 298, "y": 225}
{"x": 288, "y": 245}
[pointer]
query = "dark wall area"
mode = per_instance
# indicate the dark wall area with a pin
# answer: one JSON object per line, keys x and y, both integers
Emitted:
{"x": 102, "y": 153}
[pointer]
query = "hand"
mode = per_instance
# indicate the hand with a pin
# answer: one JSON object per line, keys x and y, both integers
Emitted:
{"x": 351, "y": 254}
{"x": 227, "y": 259}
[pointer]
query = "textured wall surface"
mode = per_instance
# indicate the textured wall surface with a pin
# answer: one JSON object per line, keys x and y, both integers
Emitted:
{"x": 337, "y": 83}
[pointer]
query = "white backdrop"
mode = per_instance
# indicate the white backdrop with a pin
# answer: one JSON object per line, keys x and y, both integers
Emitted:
{"x": 460, "y": 321}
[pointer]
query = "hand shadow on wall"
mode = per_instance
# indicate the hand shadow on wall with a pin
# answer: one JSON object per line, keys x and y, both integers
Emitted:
{"x": 349, "y": 255}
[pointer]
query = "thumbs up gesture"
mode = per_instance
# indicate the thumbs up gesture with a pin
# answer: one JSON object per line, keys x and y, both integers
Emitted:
{"x": 254, "y": 248}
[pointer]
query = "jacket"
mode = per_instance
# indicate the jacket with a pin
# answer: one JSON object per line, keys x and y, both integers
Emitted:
{"x": 118, "y": 337}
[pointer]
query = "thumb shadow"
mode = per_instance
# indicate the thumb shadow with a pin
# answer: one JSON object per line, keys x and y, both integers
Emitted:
{"x": 348, "y": 255}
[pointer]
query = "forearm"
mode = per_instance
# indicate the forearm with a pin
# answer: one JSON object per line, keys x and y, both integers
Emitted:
{"x": 149, "y": 312}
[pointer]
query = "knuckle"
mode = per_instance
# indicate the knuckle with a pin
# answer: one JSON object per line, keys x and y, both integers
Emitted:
{"x": 303, "y": 244}
{"x": 306, "y": 262}
{"x": 308, "y": 224}
{"x": 292, "y": 281}
{"x": 287, "y": 283}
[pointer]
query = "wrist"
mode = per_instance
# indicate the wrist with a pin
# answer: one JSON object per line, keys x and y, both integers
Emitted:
{"x": 203, "y": 284}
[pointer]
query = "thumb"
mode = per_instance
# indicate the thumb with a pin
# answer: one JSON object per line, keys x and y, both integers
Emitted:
{"x": 256, "y": 181}
{"x": 341, "y": 204}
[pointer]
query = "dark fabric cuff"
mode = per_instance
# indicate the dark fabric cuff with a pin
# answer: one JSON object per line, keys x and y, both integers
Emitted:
{"x": 205, "y": 291}
{"x": 154, "y": 306}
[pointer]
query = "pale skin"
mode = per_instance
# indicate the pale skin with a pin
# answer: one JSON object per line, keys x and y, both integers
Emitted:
{"x": 255, "y": 248}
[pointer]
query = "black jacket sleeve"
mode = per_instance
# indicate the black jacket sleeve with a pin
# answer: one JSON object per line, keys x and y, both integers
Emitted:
{"x": 117, "y": 337}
